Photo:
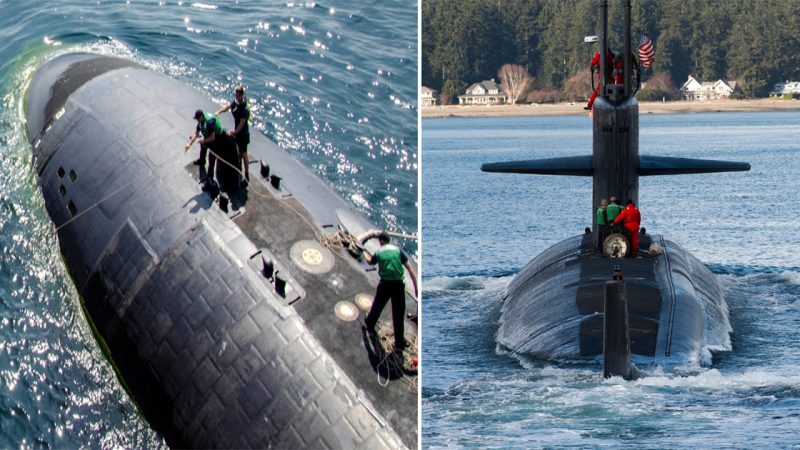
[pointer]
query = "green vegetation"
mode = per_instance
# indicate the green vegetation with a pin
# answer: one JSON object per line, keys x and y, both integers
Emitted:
{"x": 753, "y": 42}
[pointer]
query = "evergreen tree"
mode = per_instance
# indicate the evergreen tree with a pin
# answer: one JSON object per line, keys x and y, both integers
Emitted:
{"x": 467, "y": 41}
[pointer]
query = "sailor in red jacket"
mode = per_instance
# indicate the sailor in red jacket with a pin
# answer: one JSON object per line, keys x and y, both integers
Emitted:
{"x": 594, "y": 66}
{"x": 631, "y": 219}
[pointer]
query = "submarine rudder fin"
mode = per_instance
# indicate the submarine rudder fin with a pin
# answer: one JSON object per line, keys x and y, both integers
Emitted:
{"x": 616, "y": 331}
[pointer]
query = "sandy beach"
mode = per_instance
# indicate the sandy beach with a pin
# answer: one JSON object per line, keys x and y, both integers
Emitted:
{"x": 563, "y": 109}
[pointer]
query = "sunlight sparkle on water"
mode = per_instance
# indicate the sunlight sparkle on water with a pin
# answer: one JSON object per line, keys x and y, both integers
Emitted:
{"x": 203, "y": 6}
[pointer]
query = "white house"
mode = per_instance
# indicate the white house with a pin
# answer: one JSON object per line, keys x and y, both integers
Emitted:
{"x": 781, "y": 89}
{"x": 710, "y": 90}
{"x": 484, "y": 93}
{"x": 427, "y": 96}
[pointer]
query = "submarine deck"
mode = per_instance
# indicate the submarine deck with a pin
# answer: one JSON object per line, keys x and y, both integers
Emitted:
{"x": 644, "y": 305}
{"x": 280, "y": 226}
{"x": 553, "y": 308}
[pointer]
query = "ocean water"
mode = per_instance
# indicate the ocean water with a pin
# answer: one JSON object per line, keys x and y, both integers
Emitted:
{"x": 480, "y": 229}
{"x": 335, "y": 84}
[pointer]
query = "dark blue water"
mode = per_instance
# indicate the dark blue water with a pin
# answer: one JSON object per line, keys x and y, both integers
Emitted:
{"x": 335, "y": 84}
{"x": 479, "y": 229}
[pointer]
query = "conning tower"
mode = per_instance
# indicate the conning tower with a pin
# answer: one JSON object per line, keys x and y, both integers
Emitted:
{"x": 615, "y": 164}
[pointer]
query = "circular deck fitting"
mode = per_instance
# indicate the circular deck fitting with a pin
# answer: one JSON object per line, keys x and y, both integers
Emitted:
{"x": 346, "y": 311}
{"x": 312, "y": 257}
{"x": 615, "y": 246}
{"x": 364, "y": 301}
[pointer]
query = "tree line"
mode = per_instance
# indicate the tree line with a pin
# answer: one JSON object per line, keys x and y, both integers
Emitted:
{"x": 754, "y": 42}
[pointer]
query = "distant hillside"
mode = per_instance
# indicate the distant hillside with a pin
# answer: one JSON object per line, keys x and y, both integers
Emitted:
{"x": 754, "y": 42}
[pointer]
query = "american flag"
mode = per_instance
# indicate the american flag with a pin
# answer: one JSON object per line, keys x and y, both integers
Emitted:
{"x": 646, "y": 54}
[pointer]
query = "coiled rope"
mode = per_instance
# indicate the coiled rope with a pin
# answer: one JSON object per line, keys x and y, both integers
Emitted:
{"x": 394, "y": 363}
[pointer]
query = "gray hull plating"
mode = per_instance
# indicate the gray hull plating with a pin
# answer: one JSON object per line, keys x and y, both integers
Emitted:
{"x": 213, "y": 354}
{"x": 554, "y": 306}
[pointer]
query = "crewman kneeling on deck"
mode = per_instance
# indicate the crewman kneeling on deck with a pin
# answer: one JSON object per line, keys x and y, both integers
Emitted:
{"x": 631, "y": 219}
{"x": 600, "y": 216}
{"x": 390, "y": 260}
{"x": 214, "y": 138}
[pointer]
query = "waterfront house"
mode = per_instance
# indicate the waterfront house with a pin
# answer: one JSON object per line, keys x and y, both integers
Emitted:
{"x": 484, "y": 93}
{"x": 788, "y": 89}
{"x": 428, "y": 96}
{"x": 693, "y": 89}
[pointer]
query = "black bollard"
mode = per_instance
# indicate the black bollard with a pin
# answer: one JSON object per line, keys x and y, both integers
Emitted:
{"x": 267, "y": 267}
{"x": 280, "y": 285}
{"x": 264, "y": 170}
{"x": 275, "y": 181}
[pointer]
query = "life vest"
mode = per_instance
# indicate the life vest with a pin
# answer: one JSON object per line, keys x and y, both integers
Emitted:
{"x": 213, "y": 121}
{"x": 390, "y": 263}
{"x": 594, "y": 66}
{"x": 601, "y": 216}
{"x": 612, "y": 211}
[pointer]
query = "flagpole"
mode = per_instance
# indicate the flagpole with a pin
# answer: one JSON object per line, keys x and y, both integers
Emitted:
{"x": 603, "y": 46}
{"x": 628, "y": 61}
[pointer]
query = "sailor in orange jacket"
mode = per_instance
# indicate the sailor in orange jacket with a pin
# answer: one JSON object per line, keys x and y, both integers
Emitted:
{"x": 631, "y": 219}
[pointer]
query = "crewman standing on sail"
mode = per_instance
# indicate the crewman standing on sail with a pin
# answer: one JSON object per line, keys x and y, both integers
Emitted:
{"x": 594, "y": 67}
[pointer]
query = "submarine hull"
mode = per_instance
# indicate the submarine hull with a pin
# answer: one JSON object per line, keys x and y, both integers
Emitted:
{"x": 554, "y": 306}
{"x": 214, "y": 351}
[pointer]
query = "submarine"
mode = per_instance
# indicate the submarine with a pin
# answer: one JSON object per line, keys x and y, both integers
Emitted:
{"x": 576, "y": 303}
{"x": 226, "y": 317}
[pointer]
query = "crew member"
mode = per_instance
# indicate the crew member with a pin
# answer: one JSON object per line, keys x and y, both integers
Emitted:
{"x": 214, "y": 137}
{"x": 594, "y": 67}
{"x": 612, "y": 211}
{"x": 600, "y": 217}
{"x": 619, "y": 70}
{"x": 631, "y": 219}
{"x": 390, "y": 260}
{"x": 241, "y": 129}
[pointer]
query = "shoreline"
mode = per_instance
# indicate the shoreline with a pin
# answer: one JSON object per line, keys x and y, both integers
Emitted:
{"x": 576, "y": 108}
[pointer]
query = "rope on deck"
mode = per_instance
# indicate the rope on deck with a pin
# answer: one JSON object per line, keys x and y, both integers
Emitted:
{"x": 397, "y": 363}
{"x": 341, "y": 239}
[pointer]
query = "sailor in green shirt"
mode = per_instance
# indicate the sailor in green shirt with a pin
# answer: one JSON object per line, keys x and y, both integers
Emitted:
{"x": 390, "y": 260}
{"x": 613, "y": 210}
{"x": 214, "y": 138}
{"x": 600, "y": 217}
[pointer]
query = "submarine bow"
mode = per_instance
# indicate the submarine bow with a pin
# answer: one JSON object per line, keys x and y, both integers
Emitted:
{"x": 221, "y": 326}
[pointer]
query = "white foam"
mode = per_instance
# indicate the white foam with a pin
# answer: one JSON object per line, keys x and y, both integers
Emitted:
{"x": 49, "y": 41}
{"x": 713, "y": 379}
{"x": 470, "y": 283}
{"x": 790, "y": 276}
